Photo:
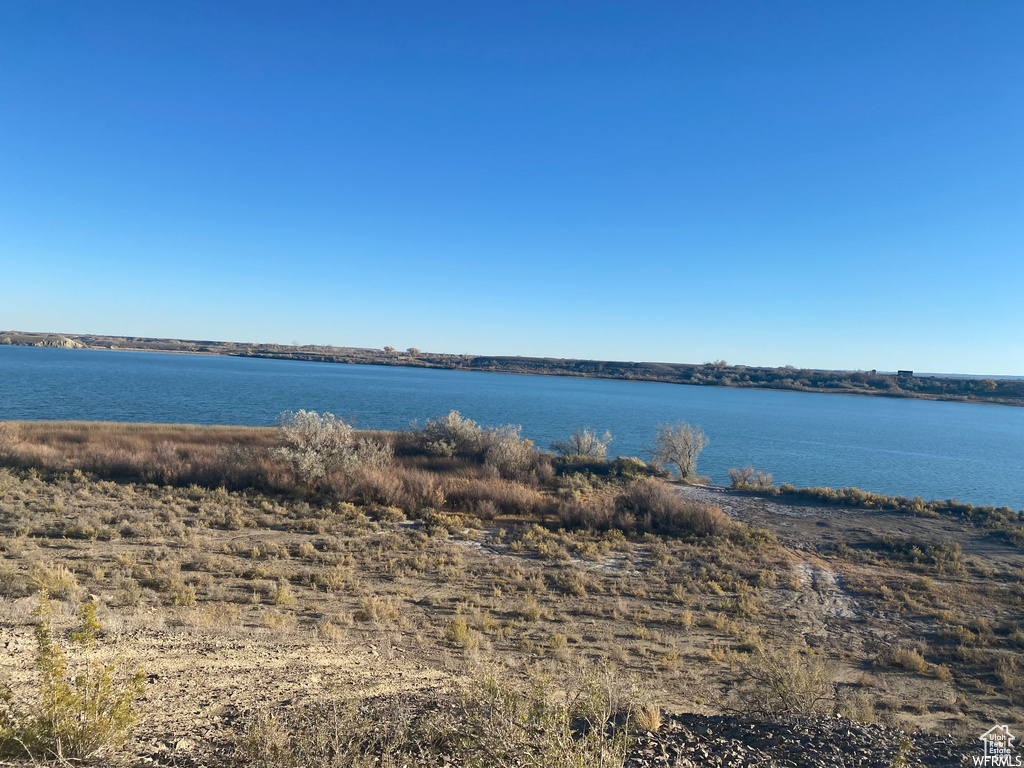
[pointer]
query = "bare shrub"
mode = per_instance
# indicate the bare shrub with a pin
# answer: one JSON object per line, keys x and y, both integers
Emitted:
{"x": 382, "y": 733}
{"x": 643, "y": 506}
{"x": 657, "y": 508}
{"x": 423, "y": 490}
{"x": 168, "y": 462}
{"x": 282, "y": 594}
{"x": 631, "y": 468}
{"x": 511, "y": 725}
{"x": 11, "y": 583}
{"x": 678, "y": 446}
{"x": 583, "y": 444}
{"x": 785, "y": 682}
{"x": 371, "y": 459}
{"x": 740, "y": 478}
{"x": 457, "y": 631}
{"x": 647, "y": 718}
{"x": 265, "y": 742}
{"x": 544, "y": 469}
{"x": 595, "y": 513}
{"x": 375, "y": 486}
{"x": 909, "y": 659}
{"x": 857, "y": 705}
{"x": 1011, "y": 677}
{"x": 490, "y": 723}
{"x": 749, "y": 479}
{"x": 485, "y": 509}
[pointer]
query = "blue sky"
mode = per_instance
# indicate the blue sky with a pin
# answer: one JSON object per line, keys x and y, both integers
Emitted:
{"x": 818, "y": 184}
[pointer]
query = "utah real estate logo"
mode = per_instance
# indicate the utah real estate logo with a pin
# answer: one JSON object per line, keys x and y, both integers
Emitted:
{"x": 997, "y": 744}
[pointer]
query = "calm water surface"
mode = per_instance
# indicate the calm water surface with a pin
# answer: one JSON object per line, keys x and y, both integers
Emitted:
{"x": 937, "y": 450}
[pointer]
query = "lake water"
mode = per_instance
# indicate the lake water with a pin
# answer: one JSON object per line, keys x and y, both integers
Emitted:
{"x": 941, "y": 450}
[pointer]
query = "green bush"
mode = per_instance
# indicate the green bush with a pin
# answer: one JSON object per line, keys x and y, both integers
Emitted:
{"x": 628, "y": 468}
{"x": 83, "y": 706}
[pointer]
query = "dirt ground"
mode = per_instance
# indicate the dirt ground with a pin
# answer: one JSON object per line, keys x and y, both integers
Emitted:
{"x": 816, "y": 527}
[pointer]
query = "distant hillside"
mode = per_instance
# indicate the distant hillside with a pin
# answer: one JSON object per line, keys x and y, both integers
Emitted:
{"x": 998, "y": 390}
{"x": 39, "y": 340}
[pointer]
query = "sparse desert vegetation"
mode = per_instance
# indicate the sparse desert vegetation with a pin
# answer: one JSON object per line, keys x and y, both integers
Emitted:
{"x": 290, "y": 596}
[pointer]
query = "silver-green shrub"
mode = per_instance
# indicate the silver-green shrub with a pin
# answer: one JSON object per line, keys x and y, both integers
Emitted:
{"x": 510, "y": 454}
{"x": 452, "y": 435}
{"x": 316, "y": 444}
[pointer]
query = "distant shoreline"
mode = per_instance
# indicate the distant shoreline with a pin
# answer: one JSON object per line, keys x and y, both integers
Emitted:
{"x": 905, "y": 385}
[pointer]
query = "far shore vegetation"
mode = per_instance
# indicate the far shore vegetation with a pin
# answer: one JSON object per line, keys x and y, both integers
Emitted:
{"x": 899, "y": 384}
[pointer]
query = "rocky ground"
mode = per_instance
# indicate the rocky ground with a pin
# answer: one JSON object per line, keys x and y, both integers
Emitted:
{"x": 696, "y": 740}
{"x": 690, "y": 740}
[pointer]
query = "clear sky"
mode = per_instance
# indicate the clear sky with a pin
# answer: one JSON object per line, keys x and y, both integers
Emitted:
{"x": 820, "y": 184}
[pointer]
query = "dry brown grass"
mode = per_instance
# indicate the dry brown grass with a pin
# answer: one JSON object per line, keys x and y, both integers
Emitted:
{"x": 171, "y": 454}
{"x": 644, "y": 506}
{"x": 493, "y": 496}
